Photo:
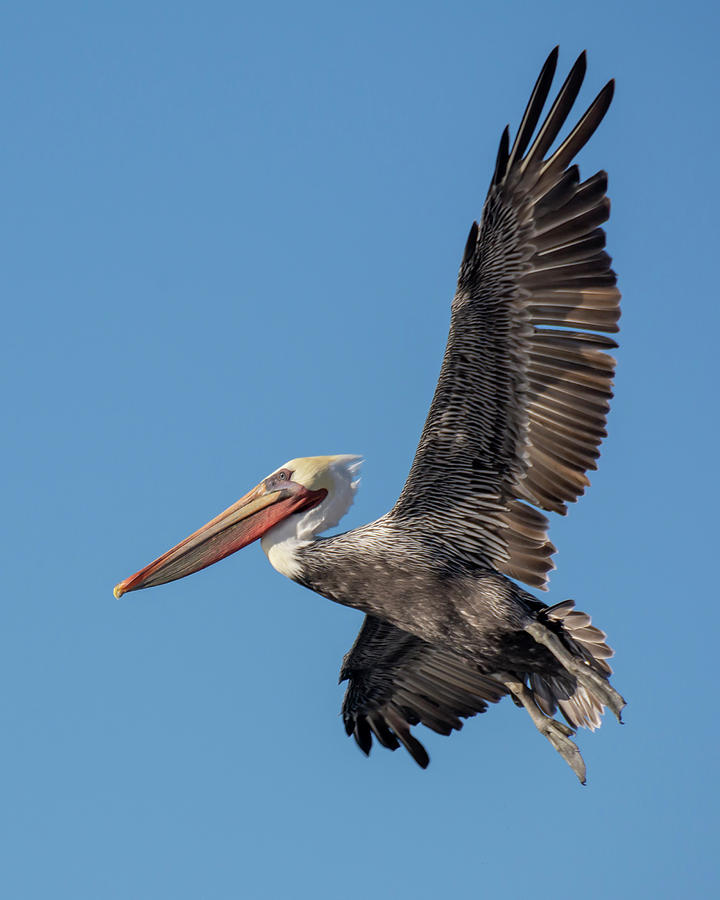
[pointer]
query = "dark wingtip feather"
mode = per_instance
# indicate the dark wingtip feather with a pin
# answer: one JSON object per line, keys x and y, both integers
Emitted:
{"x": 534, "y": 108}
{"x": 382, "y": 732}
{"x": 415, "y": 749}
{"x": 604, "y": 99}
{"x": 363, "y": 736}
{"x": 584, "y": 129}
{"x": 559, "y": 111}
{"x": 409, "y": 742}
{"x": 550, "y": 64}
{"x": 501, "y": 160}
{"x": 580, "y": 66}
{"x": 470, "y": 244}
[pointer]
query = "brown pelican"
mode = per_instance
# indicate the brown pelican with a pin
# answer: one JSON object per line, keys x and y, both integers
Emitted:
{"x": 515, "y": 423}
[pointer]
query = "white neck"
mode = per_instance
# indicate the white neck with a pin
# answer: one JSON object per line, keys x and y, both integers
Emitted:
{"x": 281, "y": 544}
{"x": 283, "y": 541}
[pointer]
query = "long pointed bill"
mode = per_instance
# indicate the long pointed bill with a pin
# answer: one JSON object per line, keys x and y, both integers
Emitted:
{"x": 244, "y": 522}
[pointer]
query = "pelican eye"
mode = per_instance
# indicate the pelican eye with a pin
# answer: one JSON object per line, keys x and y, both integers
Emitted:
{"x": 284, "y": 475}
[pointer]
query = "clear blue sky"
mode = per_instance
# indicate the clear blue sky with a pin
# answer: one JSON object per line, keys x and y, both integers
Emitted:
{"x": 230, "y": 237}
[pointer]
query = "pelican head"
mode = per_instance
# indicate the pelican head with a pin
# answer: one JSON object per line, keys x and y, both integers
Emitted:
{"x": 290, "y": 506}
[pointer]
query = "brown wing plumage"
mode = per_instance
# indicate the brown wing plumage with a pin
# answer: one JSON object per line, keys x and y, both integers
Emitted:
{"x": 397, "y": 680}
{"x": 520, "y": 406}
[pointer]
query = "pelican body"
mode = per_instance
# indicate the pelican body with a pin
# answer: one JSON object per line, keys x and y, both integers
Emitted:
{"x": 516, "y": 422}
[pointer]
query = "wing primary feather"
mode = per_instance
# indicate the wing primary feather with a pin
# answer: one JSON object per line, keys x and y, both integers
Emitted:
{"x": 558, "y": 112}
{"x": 561, "y": 336}
{"x": 379, "y": 728}
{"x": 558, "y": 195}
{"x": 410, "y": 743}
{"x": 363, "y": 737}
{"x": 430, "y": 713}
{"x": 501, "y": 160}
{"x": 565, "y": 264}
{"x": 534, "y": 108}
{"x": 585, "y": 448}
{"x": 585, "y": 197}
{"x": 583, "y": 131}
{"x": 575, "y": 250}
{"x": 556, "y": 415}
{"x": 573, "y": 228}
{"x": 555, "y": 367}
{"x": 470, "y": 244}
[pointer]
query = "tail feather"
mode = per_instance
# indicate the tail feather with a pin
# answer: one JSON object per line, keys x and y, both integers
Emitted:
{"x": 590, "y": 641}
{"x": 577, "y": 704}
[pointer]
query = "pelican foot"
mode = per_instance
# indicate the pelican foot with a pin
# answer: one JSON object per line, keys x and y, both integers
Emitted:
{"x": 556, "y": 732}
{"x": 559, "y": 736}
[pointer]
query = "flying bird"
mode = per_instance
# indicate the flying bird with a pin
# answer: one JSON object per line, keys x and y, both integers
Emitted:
{"x": 515, "y": 424}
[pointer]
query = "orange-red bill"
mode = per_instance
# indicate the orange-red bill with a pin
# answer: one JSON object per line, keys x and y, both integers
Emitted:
{"x": 243, "y": 522}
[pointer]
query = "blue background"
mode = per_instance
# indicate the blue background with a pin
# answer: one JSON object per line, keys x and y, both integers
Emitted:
{"x": 230, "y": 237}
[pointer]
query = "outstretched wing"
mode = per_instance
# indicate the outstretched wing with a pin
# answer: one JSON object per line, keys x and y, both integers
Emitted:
{"x": 397, "y": 680}
{"x": 520, "y": 406}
